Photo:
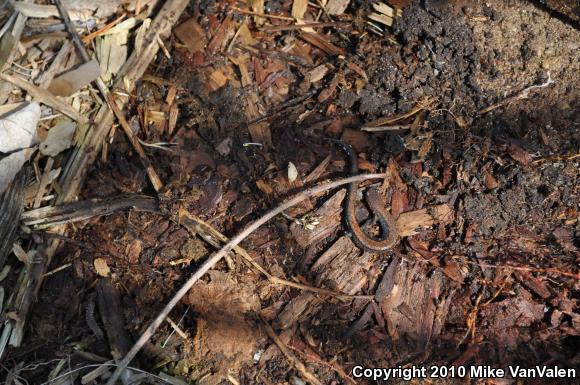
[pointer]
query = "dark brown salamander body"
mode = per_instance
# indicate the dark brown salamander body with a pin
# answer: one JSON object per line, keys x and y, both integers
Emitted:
{"x": 386, "y": 221}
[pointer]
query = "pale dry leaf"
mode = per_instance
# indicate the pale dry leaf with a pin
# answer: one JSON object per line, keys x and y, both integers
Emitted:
{"x": 112, "y": 53}
{"x": 11, "y": 164}
{"x": 102, "y": 9}
{"x": 101, "y": 267}
{"x": 18, "y": 126}
{"x": 292, "y": 172}
{"x": 71, "y": 81}
{"x": 59, "y": 138}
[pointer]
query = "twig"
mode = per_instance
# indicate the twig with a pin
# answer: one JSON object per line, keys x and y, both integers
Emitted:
{"x": 65, "y": 266}
{"x": 211, "y": 261}
{"x": 294, "y": 361}
{"x": 78, "y": 43}
{"x": 386, "y": 128}
{"x": 426, "y": 104}
{"x": 524, "y": 94}
{"x": 174, "y": 330}
{"x": 155, "y": 180}
{"x": 263, "y": 15}
{"x": 557, "y": 158}
{"x": 177, "y": 329}
{"x": 77, "y": 211}
{"x": 548, "y": 270}
{"x": 276, "y": 28}
{"x": 45, "y": 97}
{"x": 185, "y": 217}
{"x": 87, "y": 39}
{"x": 106, "y": 364}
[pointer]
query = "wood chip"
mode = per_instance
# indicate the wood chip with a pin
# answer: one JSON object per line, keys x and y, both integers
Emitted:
{"x": 292, "y": 172}
{"x": 299, "y": 8}
{"x": 336, "y": 7}
{"x": 409, "y": 222}
{"x": 318, "y": 73}
{"x": 101, "y": 267}
{"x": 192, "y": 35}
{"x": 384, "y": 9}
{"x": 322, "y": 43}
{"x": 380, "y": 18}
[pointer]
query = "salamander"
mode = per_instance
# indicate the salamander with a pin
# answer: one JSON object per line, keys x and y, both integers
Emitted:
{"x": 387, "y": 223}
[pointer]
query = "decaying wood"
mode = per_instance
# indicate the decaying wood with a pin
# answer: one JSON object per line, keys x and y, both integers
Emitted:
{"x": 50, "y": 216}
{"x": 294, "y": 360}
{"x": 210, "y": 262}
{"x": 10, "y": 210}
{"x": 216, "y": 239}
{"x": 343, "y": 266}
{"x": 111, "y": 312}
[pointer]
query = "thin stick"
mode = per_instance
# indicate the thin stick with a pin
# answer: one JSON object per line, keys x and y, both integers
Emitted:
{"x": 78, "y": 43}
{"x": 87, "y": 39}
{"x": 185, "y": 218}
{"x": 294, "y": 361}
{"x": 263, "y": 15}
{"x": 291, "y": 27}
{"x": 207, "y": 265}
{"x": 155, "y": 180}
{"x": 523, "y": 94}
{"x": 45, "y": 97}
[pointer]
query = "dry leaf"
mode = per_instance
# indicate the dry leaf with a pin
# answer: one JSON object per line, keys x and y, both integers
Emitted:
{"x": 18, "y": 126}
{"x": 10, "y": 165}
{"x": 59, "y": 138}
{"x": 71, "y": 81}
{"x": 101, "y": 267}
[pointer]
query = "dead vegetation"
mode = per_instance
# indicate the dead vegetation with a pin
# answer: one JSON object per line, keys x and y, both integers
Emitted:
{"x": 167, "y": 189}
